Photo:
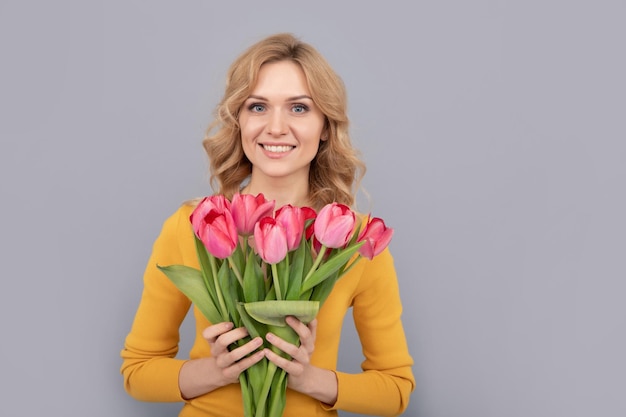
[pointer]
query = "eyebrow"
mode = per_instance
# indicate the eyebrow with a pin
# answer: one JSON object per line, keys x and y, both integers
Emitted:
{"x": 295, "y": 98}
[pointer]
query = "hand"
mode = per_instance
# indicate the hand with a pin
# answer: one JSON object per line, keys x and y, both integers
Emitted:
{"x": 199, "y": 376}
{"x": 301, "y": 355}
{"x": 303, "y": 377}
{"x": 231, "y": 363}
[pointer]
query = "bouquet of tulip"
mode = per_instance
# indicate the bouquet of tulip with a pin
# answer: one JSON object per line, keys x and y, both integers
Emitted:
{"x": 258, "y": 266}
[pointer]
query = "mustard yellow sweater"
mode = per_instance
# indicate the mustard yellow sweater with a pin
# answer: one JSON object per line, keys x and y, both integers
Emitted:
{"x": 150, "y": 367}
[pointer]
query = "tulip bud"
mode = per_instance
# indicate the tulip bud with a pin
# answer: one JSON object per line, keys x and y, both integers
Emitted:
{"x": 334, "y": 225}
{"x": 214, "y": 202}
{"x": 270, "y": 240}
{"x": 247, "y": 210}
{"x": 376, "y": 237}
{"x": 219, "y": 234}
{"x": 293, "y": 220}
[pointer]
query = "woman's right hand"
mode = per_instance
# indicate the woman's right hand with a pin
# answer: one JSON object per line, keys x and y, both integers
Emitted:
{"x": 199, "y": 376}
{"x": 231, "y": 363}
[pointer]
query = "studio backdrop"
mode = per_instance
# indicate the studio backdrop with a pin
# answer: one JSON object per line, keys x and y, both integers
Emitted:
{"x": 494, "y": 137}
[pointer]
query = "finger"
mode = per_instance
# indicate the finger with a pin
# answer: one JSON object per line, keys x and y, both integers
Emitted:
{"x": 313, "y": 328}
{"x": 213, "y": 332}
{"x": 300, "y": 355}
{"x": 237, "y": 368}
{"x": 291, "y": 367}
{"x": 226, "y": 339}
{"x": 300, "y": 328}
{"x": 305, "y": 333}
{"x": 227, "y": 359}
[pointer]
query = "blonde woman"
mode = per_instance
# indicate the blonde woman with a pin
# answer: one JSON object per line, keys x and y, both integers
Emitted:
{"x": 280, "y": 130}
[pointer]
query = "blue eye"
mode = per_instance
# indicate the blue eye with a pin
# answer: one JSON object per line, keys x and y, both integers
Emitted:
{"x": 256, "y": 107}
{"x": 299, "y": 108}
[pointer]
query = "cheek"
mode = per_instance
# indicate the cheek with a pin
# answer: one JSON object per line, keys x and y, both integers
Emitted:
{"x": 248, "y": 145}
{"x": 310, "y": 131}
{"x": 249, "y": 129}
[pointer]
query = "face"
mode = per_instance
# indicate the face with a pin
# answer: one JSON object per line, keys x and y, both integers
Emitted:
{"x": 281, "y": 127}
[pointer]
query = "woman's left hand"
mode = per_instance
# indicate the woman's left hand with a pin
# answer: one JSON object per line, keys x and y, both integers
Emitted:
{"x": 303, "y": 377}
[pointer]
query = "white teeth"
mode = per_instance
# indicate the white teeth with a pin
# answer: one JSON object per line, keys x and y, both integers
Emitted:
{"x": 277, "y": 149}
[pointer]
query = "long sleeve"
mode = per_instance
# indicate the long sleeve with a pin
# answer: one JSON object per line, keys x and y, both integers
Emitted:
{"x": 149, "y": 367}
{"x": 385, "y": 385}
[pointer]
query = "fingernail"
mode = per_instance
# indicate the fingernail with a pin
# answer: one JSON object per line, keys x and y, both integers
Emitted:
{"x": 269, "y": 337}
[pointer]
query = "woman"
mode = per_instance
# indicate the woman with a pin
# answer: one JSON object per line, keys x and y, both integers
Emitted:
{"x": 281, "y": 130}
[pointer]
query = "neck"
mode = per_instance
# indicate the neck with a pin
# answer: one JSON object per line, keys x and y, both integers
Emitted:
{"x": 283, "y": 193}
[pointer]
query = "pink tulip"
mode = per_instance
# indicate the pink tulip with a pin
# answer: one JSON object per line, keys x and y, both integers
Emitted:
{"x": 248, "y": 209}
{"x": 214, "y": 202}
{"x": 213, "y": 223}
{"x": 270, "y": 240}
{"x": 334, "y": 225}
{"x": 376, "y": 237}
{"x": 293, "y": 220}
{"x": 309, "y": 214}
{"x": 219, "y": 234}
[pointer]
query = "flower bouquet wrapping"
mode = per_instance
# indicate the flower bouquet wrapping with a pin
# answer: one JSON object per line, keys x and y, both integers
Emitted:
{"x": 258, "y": 266}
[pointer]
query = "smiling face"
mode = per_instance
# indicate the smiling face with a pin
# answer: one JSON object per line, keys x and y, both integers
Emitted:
{"x": 281, "y": 127}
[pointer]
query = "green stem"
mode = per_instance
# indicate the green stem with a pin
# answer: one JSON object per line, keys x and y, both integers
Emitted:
{"x": 233, "y": 266}
{"x": 218, "y": 290}
{"x": 244, "y": 246}
{"x": 277, "y": 398}
{"x": 279, "y": 295}
{"x": 317, "y": 262}
{"x": 248, "y": 409}
{"x": 267, "y": 384}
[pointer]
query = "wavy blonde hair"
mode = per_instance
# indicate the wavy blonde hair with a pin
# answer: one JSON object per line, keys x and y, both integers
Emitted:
{"x": 336, "y": 171}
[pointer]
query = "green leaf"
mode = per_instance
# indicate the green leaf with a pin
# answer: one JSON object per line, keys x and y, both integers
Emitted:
{"x": 238, "y": 257}
{"x": 203, "y": 255}
{"x": 256, "y": 377}
{"x": 271, "y": 294}
{"x": 255, "y": 328}
{"x": 278, "y": 392}
{"x": 253, "y": 283}
{"x": 227, "y": 282}
{"x": 261, "y": 410}
{"x": 191, "y": 283}
{"x": 273, "y": 312}
{"x": 297, "y": 270}
{"x": 324, "y": 288}
{"x": 332, "y": 265}
{"x": 355, "y": 234}
{"x": 205, "y": 268}
{"x": 283, "y": 275}
{"x": 308, "y": 264}
{"x": 248, "y": 399}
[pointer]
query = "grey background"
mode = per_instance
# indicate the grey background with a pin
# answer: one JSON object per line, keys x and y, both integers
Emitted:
{"x": 494, "y": 133}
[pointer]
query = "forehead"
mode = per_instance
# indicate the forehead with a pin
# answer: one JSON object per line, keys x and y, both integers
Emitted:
{"x": 281, "y": 78}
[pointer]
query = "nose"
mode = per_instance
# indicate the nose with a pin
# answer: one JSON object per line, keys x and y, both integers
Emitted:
{"x": 277, "y": 124}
